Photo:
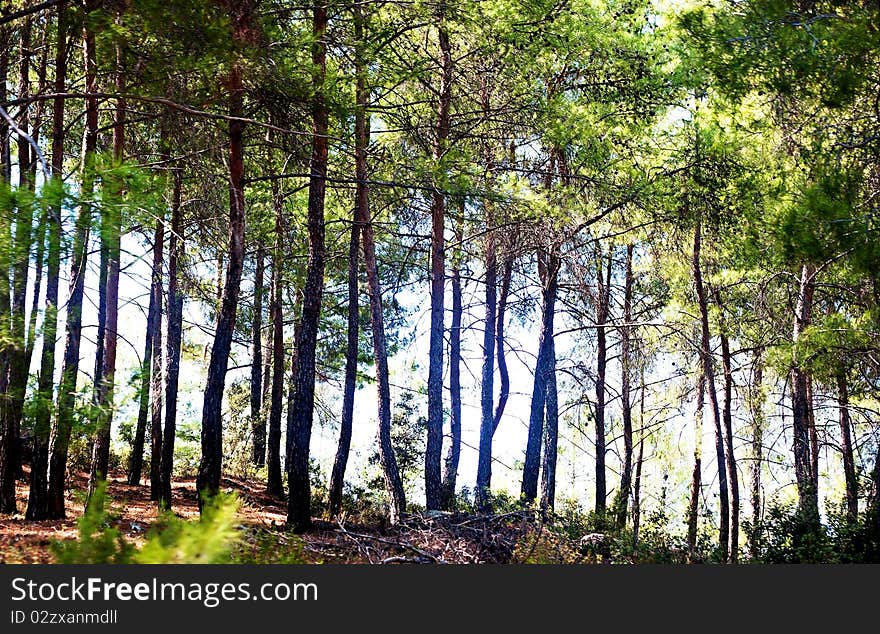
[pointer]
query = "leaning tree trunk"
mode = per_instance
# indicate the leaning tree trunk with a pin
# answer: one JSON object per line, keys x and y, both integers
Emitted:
{"x": 454, "y": 452}
{"x": 174, "y": 335}
{"x": 154, "y": 316}
{"x": 274, "y": 483}
{"x": 38, "y": 496}
{"x": 709, "y": 374}
{"x": 548, "y": 269}
{"x": 503, "y": 373}
{"x": 434, "y": 445}
{"x": 299, "y": 505}
{"x": 70, "y": 362}
{"x": 337, "y": 478}
{"x": 387, "y": 459}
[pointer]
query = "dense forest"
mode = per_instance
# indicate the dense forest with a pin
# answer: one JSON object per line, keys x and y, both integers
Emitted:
{"x": 603, "y": 271}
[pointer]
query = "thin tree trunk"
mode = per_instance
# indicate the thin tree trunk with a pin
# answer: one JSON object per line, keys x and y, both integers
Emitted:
{"x": 434, "y": 445}
{"x": 454, "y": 452}
{"x": 299, "y": 505}
{"x": 625, "y": 404}
{"x": 756, "y": 408}
{"x": 38, "y": 497}
{"x": 337, "y": 479}
{"x": 174, "y": 335}
{"x": 548, "y": 269}
{"x": 846, "y": 447}
{"x": 709, "y": 373}
{"x": 637, "y": 485}
{"x": 503, "y": 374}
{"x": 274, "y": 483}
{"x": 551, "y": 435}
{"x": 258, "y": 424}
{"x": 387, "y": 459}
{"x": 727, "y": 417}
{"x": 697, "y": 474}
{"x": 808, "y": 501}
{"x": 136, "y": 460}
{"x": 113, "y": 236}
{"x": 70, "y": 364}
{"x": 210, "y": 469}
{"x": 603, "y": 299}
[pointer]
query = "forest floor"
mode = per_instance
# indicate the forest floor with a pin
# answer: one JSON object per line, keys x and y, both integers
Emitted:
{"x": 419, "y": 538}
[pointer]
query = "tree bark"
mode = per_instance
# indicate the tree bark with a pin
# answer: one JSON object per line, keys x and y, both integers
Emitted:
{"x": 756, "y": 410}
{"x": 454, "y": 452}
{"x": 210, "y": 468}
{"x": 174, "y": 335}
{"x": 625, "y": 381}
{"x": 274, "y": 483}
{"x": 113, "y": 237}
{"x": 434, "y": 445}
{"x": 846, "y": 448}
{"x": 697, "y": 474}
{"x": 603, "y": 300}
{"x": 548, "y": 270}
{"x": 503, "y": 373}
{"x": 258, "y": 424}
{"x": 709, "y": 373}
{"x": 299, "y": 504}
{"x": 551, "y": 435}
{"x": 70, "y": 364}
{"x": 155, "y": 386}
{"x": 38, "y": 496}
{"x": 808, "y": 501}
{"x": 727, "y": 417}
{"x": 154, "y": 316}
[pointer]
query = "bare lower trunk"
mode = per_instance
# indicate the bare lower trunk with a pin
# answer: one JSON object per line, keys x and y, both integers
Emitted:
{"x": 274, "y": 482}
{"x": 727, "y": 417}
{"x": 625, "y": 404}
{"x": 846, "y": 448}
{"x": 551, "y": 436}
{"x": 548, "y": 267}
{"x": 258, "y": 425}
{"x": 756, "y": 411}
{"x": 450, "y": 473}
{"x": 697, "y": 474}
{"x": 434, "y": 445}
{"x": 709, "y": 374}
{"x": 603, "y": 300}
{"x": 174, "y": 335}
{"x": 808, "y": 501}
{"x": 503, "y": 374}
{"x": 299, "y": 504}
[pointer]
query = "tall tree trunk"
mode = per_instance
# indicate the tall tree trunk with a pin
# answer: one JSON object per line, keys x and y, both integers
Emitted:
{"x": 274, "y": 483}
{"x": 454, "y": 452}
{"x": 625, "y": 404}
{"x": 551, "y": 435}
{"x": 548, "y": 270}
{"x": 210, "y": 469}
{"x": 603, "y": 299}
{"x": 174, "y": 335}
{"x": 299, "y": 505}
{"x": 709, "y": 373}
{"x": 727, "y": 417}
{"x": 808, "y": 500}
{"x": 70, "y": 364}
{"x": 434, "y": 445}
{"x": 697, "y": 474}
{"x": 258, "y": 424}
{"x": 387, "y": 459}
{"x": 503, "y": 374}
{"x": 112, "y": 234}
{"x": 487, "y": 378}
{"x": 38, "y": 497}
{"x": 155, "y": 386}
{"x": 637, "y": 485}
{"x": 846, "y": 447}
{"x": 154, "y": 316}
{"x": 337, "y": 479}
{"x": 756, "y": 411}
